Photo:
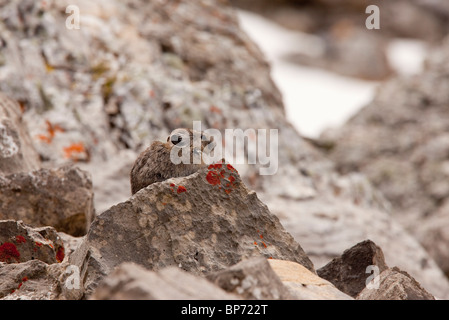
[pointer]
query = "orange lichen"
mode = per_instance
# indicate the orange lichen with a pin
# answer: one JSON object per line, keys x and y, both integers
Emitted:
{"x": 51, "y": 132}
{"x": 215, "y": 109}
{"x": 75, "y": 148}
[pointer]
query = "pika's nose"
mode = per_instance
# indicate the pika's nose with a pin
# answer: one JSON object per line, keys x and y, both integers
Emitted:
{"x": 175, "y": 139}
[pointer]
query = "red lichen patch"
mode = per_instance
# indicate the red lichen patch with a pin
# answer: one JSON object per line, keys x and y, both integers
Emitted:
{"x": 181, "y": 189}
{"x": 218, "y": 175}
{"x": 74, "y": 151}
{"x": 255, "y": 243}
{"x": 215, "y": 166}
{"x": 213, "y": 178}
{"x": 20, "y": 239}
{"x": 264, "y": 244}
{"x": 231, "y": 168}
{"x": 9, "y": 251}
{"x": 24, "y": 279}
{"x": 60, "y": 254}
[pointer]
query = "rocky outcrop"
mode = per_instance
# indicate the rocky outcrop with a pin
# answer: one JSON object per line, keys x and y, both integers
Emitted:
{"x": 61, "y": 198}
{"x": 400, "y": 142}
{"x": 196, "y": 223}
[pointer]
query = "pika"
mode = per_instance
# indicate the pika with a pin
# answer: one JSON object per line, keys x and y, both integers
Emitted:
{"x": 155, "y": 163}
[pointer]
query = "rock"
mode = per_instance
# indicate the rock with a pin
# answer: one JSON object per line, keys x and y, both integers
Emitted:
{"x": 130, "y": 281}
{"x": 252, "y": 279}
{"x": 17, "y": 152}
{"x": 61, "y": 198}
{"x": 30, "y": 280}
{"x": 395, "y": 284}
{"x": 303, "y": 284}
{"x": 350, "y": 271}
{"x": 194, "y": 223}
{"x": 21, "y": 243}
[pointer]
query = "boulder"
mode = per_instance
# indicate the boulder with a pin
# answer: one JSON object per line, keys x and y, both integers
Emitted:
{"x": 350, "y": 271}
{"x": 129, "y": 281}
{"x": 17, "y": 152}
{"x": 395, "y": 284}
{"x": 21, "y": 243}
{"x": 252, "y": 279}
{"x": 61, "y": 198}
{"x": 31, "y": 280}
{"x": 196, "y": 223}
{"x": 304, "y": 284}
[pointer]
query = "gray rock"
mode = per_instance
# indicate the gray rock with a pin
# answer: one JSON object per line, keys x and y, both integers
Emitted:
{"x": 193, "y": 223}
{"x": 395, "y": 284}
{"x": 349, "y": 271}
{"x": 130, "y": 281}
{"x": 61, "y": 198}
{"x": 252, "y": 279}
{"x": 17, "y": 152}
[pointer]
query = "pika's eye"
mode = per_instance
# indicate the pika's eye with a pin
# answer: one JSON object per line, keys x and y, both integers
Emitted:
{"x": 175, "y": 139}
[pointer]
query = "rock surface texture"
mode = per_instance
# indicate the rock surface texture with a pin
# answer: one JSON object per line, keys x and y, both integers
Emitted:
{"x": 198, "y": 223}
{"x": 401, "y": 143}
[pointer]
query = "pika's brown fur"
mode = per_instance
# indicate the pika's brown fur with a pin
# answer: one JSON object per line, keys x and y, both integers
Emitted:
{"x": 154, "y": 164}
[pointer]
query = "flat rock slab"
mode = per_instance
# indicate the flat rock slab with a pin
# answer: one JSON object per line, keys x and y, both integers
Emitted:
{"x": 202, "y": 223}
{"x": 303, "y": 284}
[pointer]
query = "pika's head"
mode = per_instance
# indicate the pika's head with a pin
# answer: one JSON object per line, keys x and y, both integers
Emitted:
{"x": 197, "y": 141}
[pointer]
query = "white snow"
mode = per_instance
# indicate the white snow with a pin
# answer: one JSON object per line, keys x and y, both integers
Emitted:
{"x": 316, "y": 99}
